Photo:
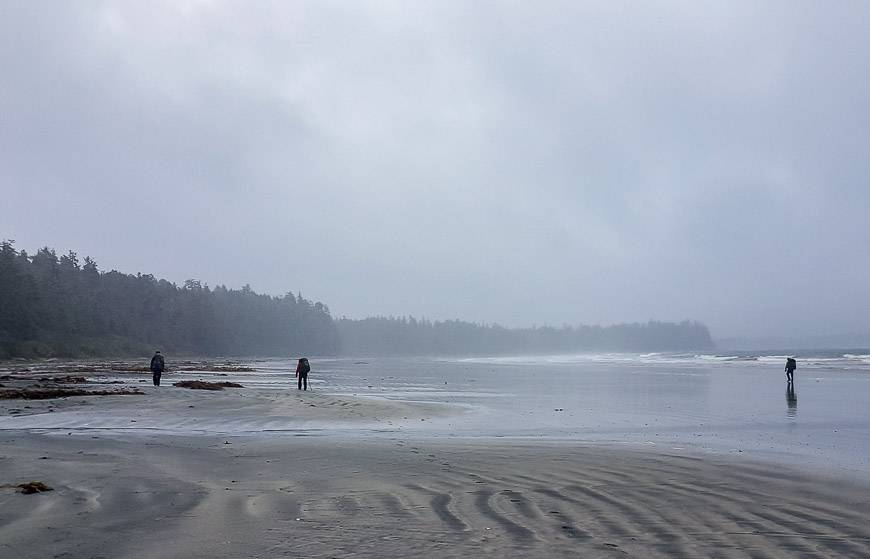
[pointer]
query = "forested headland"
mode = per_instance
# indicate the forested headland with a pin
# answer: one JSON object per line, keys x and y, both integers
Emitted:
{"x": 61, "y": 306}
{"x": 408, "y": 336}
{"x": 54, "y": 306}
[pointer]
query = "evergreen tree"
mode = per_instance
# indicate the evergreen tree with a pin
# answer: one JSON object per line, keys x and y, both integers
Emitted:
{"x": 52, "y": 306}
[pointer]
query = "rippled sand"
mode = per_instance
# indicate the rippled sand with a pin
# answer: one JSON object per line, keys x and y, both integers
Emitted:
{"x": 268, "y": 471}
{"x": 168, "y": 497}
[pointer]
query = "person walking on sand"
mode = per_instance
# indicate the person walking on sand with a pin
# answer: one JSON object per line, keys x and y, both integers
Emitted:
{"x": 302, "y": 370}
{"x": 157, "y": 367}
{"x": 790, "y": 366}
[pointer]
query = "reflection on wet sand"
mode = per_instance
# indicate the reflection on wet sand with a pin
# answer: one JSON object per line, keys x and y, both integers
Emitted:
{"x": 791, "y": 400}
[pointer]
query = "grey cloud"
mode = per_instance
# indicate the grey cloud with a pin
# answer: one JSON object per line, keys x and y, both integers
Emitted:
{"x": 565, "y": 162}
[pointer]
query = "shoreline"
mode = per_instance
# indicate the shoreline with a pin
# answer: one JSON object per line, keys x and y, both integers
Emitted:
{"x": 275, "y": 410}
{"x": 266, "y": 471}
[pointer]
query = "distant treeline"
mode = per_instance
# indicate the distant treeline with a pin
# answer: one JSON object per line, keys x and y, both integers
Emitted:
{"x": 61, "y": 307}
{"x": 54, "y": 306}
{"x": 407, "y": 336}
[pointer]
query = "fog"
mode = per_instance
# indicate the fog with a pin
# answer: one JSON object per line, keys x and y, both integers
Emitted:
{"x": 510, "y": 162}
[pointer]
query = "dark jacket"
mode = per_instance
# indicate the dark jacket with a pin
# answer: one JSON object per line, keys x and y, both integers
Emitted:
{"x": 302, "y": 367}
{"x": 157, "y": 364}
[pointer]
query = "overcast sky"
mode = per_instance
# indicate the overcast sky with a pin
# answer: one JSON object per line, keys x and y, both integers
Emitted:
{"x": 512, "y": 162}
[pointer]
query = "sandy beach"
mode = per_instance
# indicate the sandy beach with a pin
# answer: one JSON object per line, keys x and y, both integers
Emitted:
{"x": 266, "y": 472}
{"x": 307, "y": 496}
{"x": 566, "y": 279}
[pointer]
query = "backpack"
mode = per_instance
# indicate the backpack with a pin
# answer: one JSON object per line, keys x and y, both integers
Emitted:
{"x": 305, "y": 367}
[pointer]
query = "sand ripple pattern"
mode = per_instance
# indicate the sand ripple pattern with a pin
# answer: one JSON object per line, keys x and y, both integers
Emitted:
{"x": 326, "y": 499}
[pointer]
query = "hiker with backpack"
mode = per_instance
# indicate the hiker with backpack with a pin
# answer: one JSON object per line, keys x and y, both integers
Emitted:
{"x": 157, "y": 367}
{"x": 302, "y": 370}
{"x": 790, "y": 366}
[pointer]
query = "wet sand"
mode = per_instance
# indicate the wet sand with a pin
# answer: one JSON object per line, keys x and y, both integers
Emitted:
{"x": 169, "y": 409}
{"x": 265, "y": 472}
{"x": 156, "y": 496}
{"x": 179, "y": 410}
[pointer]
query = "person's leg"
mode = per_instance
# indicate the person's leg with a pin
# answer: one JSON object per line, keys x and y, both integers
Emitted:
{"x": 305, "y": 377}
{"x": 299, "y": 384}
{"x": 156, "y": 379}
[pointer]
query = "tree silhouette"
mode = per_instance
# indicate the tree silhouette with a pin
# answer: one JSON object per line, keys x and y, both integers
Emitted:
{"x": 52, "y": 306}
{"x": 57, "y": 306}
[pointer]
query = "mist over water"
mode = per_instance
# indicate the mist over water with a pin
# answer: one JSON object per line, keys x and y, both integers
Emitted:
{"x": 511, "y": 163}
{"x": 675, "y": 402}
{"x": 548, "y": 261}
{"x": 721, "y": 403}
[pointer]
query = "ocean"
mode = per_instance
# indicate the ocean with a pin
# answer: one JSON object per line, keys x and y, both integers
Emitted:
{"x": 734, "y": 403}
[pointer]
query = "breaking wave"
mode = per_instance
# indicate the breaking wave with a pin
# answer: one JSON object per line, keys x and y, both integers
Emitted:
{"x": 834, "y": 359}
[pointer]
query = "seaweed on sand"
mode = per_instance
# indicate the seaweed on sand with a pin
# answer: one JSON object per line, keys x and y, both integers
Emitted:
{"x": 68, "y": 379}
{"x": 203, "y": 385}
{"x": 33, "y": 487}
{"x": 49, "y": 393}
